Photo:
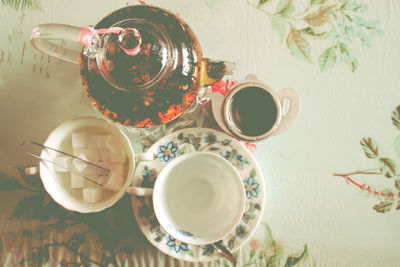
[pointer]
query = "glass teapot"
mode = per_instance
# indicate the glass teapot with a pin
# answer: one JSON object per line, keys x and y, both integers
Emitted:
{"x": 140, "y": 66}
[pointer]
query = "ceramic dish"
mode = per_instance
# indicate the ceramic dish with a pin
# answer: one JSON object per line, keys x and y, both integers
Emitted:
{"x": 191, "y": 140}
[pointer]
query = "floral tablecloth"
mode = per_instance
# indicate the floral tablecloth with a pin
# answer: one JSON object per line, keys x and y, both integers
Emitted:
{"x": 332, "y": 181}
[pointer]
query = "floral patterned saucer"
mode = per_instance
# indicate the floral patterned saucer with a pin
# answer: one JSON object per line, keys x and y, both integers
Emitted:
{"x": 190, "y": 140}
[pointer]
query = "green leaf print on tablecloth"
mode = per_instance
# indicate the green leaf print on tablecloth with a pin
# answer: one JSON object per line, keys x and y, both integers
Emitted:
{"x": 317, "y": 2}
{"x": 339, "y": 25}
{"x": 298, "y": 45}
{"x": 370, "y": 147}
{"x": 388, "y": 167}
{"x": 384, "y": 166}
{"x": 396, "y": 117}
{"x": 327, "y": 59}
{"x": 22, "y": 5}
{"x": 284, "y": 8}
{"x": 268, "y": 252}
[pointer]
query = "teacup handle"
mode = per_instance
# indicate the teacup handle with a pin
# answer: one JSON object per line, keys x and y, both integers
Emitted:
{"x": 34, "y": 170}
{"x": 143, "y": 157}
{"x": 291, "y": 115}
{"x": 141, "y": 191}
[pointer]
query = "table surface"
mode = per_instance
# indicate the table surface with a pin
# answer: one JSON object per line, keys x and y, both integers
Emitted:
{"x": 332, "y": 181}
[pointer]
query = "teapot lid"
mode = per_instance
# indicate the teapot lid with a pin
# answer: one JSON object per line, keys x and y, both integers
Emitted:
{"x": 174, "y": 60}
{"x": 137, "y": 57}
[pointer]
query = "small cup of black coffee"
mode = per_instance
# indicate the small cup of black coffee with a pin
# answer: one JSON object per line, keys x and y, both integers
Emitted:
{"x": 252, "y": 110}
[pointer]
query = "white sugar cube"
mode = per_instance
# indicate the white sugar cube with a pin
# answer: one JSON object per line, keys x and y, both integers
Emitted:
{"x": 104, "y": 164}
{"x": 98, "y": 175}
{"x": 78, "y": 164}
{"x": 82, "y": 169}
{"x": 92, "y": 194}
{"x": 114, "y": 182}
{"x": 103, "y": 141}
{"x": 93, "y": 141}
{"x": 91, "y": 155}
{"x": 77, "y": 181}
{"x": 117, "y": 156}
{"x": 104, "y": 155}
{"x": 76, "y": 151}
{"x": 102, "y": 178}
{"x": 114, "y": 144}
{"x": 117, "y": 168}
{"x": 62, "y": 164}
{"x": 78, "y": 140}
{"x": 90, "y": 172}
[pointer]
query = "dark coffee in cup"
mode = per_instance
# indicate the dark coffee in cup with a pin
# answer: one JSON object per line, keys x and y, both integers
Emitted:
{"x": 252, "y": 111}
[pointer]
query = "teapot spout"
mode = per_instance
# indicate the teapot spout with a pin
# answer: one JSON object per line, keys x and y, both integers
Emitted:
{"x": 214, "y": 70}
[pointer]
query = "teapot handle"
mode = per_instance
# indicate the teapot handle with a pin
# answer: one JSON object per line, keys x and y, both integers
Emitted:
{"x": 214, "y": 70}
{"x": 44, "y": 35}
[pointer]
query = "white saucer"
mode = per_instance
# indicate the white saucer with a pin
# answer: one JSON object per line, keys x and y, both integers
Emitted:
{"x": 190, "y": 140}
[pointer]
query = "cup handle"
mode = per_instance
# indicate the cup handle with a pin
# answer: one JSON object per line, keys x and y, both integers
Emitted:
{"x": 291, "y": 115}
{"x": 251, "y": 78}
{"x": 139, "y": 191}
{"x": 144, "y": 157}
{"x": 32, "y": 170}
{"x": 214, "y": 70}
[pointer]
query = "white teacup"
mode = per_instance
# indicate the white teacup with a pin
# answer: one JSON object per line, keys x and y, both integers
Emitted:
{"x": 57, "y": 184}
{"x": 198, "y": 198}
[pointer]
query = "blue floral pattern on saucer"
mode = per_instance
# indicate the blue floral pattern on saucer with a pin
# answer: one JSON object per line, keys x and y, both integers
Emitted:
{"x": 186, "y": 141}
{"x": 167, "y": 151}
{"x": 251, "y": 186}
{"x": 176, "y": 245}
{"x": 235, "y": 158}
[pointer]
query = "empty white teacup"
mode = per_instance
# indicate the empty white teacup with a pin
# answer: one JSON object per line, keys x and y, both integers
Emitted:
{"x": 198, "y": 198}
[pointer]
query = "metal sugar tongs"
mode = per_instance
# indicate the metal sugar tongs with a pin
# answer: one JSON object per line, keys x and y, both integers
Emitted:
{"x": 107, "y": 171}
